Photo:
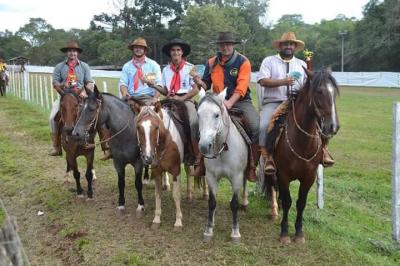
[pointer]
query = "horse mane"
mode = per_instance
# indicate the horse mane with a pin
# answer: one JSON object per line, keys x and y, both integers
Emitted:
{"x": 210, "y": 97}
{"x": 69, "y": 91}
{"x": 322, "y": 76}
{"x": 147, "y": 110}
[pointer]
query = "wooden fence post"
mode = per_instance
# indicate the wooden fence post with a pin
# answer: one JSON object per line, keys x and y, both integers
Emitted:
{"x": 105, "y": 86}
{"x": 41, "y": 92}
{"x": 46, "y": 92}
{"x": 320, "y": 187}
{"x": 396, "y": 174}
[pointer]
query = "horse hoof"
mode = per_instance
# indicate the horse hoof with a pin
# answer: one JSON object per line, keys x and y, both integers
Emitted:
{"x": 244, "y": 207}
{"x": 235, "y": 239}
{"x": 166, "y": 188}
{"x": 89, "y": 199}
{"x": 155, "y": 226}
{"x": 299, "y": 240}
{"x": 80, "y": 196}
{"x": 284, "y": 240}
{"x": 121, "y": 209}
{"x": 207, "y": 238}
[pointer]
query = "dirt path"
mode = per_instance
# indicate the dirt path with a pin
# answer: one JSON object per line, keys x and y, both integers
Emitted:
{"x": 73, "y": 231}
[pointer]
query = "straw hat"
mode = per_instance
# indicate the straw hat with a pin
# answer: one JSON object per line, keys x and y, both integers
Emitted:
{"x": 288, "y": 37}
{"x": 225, "y": 37}
{"x": 71, "y": 45}
{"x": 138, "y": 42}
{"x": 184, "y": 45}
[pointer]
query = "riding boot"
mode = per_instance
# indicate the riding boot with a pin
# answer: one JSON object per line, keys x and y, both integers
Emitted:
{"x": 327, "y": 160}
{"x": 56, "y": 139}
{"x": 269, "y": 164}
{"x": 105, "y": 134}
{"x": 198, "y": 167}
{"x": 254, "y": 156}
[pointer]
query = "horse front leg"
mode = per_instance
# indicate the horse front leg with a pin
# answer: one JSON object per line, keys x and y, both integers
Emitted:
{"x": 77, "y": 175}
{"x": 300, "y": 205}
{"x": 121, "y": 186}
{"x": 146, "y": 177}
{"x": 189, "y": 187}
{"x": 212, "y": 205}
{"x": 165, "y": 182}
{"x": 89, "y": 173}
{"x": 245, "y": 196}
{"x": 205, "y": 187}
{"x": 176, "y": 192}
{"x": 139, "y": 188}
{"x": 156, "y": 176}
{"x": 284, "y": 194}
{"x": 235, "y": 235}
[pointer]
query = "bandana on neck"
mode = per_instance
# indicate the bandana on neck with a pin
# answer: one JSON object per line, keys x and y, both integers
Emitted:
{"x": 176, "y": 79}
{"x": 72, "y": 81}
{"x": 139, "y": 73}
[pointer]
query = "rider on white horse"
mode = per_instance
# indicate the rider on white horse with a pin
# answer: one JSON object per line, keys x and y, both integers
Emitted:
{"x": 231, "y": 70}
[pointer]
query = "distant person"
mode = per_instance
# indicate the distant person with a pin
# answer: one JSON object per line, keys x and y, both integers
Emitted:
{"x": 3, "y": 69}
{"x": 231, "y": 70}
{"x": 280, "y": 75}
{"x": 73, "y": 74}
{"x": 137, "y": 71}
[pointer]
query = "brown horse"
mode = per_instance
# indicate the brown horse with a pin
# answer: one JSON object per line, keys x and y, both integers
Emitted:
{"x": 69, "y": 114}
{"x": 161, "y": 152}
{"x": 310, "y": 121}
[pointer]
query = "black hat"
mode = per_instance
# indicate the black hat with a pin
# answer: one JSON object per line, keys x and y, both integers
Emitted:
{"x": 184, "y": 45}
{"x": 71, "y": 45}
{"x": 225, "y": 37}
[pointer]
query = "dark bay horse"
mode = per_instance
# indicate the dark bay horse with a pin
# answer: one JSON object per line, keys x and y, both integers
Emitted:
{"x": 311, "y": 119}
{"x": 69, "y": 113}
{"x": 106, "y": 109}
{"x": 162, "y": 149}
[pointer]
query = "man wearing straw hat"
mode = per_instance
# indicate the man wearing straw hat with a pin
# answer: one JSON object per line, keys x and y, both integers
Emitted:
{"x": 280, "y": 76}
{"x": 231, "y": 70}
{"x": 71, "y": 73}
{"x": 138, "y": 73}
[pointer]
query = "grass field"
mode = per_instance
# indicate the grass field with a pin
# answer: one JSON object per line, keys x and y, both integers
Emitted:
{"x": 354, "y": 227}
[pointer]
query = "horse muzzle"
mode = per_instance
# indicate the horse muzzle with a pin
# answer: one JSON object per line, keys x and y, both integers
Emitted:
{"x": 330, "y": 129}
{"x": 147, "y": 159}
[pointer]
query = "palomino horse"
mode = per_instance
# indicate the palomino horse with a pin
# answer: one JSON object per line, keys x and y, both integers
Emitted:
{"x": 311, "y": 119}
{"x": 225, "y": 153}
{"x": 106, "y": 109}
{"x": 3, "y": 83}
{"x": 69, "y": 113}
{"x": 160, "y": 151}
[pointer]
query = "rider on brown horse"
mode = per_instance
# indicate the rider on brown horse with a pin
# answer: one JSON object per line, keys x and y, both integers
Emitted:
{"x": 71, "y": 74}
{"x": 280, "y": 76}
{"x": 231, "y": 70}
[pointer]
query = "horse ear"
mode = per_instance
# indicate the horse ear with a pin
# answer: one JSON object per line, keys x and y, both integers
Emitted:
{"x": 135, "y": 107}
{"x": 157, "y": 107}
{"x": 96, "y": 92}
{"x": 329, "y": 70}
{"x": 309, "y": 73}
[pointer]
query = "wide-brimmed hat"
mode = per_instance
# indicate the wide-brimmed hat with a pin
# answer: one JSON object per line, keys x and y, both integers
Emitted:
{"x": 225, "y": 37}
{"x": 138, "y": 42}
{"x": 184, "y": 45}
{"x": 71, "y": 45}
{"x": 288, "y": 37}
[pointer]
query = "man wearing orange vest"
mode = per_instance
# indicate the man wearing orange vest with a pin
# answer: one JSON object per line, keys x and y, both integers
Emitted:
{"x": 231, "y": 70}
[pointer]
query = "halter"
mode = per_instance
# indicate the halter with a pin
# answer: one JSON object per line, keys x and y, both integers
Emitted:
{"x": 224, "y": 146}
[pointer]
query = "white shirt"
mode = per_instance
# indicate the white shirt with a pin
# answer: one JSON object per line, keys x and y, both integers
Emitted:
{"x": 273, "y": 67}
{"x": 186, "y": 80}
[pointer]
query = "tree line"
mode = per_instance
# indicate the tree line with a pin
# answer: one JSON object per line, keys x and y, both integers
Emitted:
{"x": 371, "y": 43}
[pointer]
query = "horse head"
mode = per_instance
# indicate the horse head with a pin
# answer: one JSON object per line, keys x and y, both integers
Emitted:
{"x": 149, "y": 128}
{"x": 213, "y": 119}
{"x": 322, "y": 91}
{"x": 69, "y": 110}
{"x": 89, "y": 115}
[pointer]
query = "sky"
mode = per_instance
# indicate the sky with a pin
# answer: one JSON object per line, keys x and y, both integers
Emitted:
{"x": 78, "y": 13}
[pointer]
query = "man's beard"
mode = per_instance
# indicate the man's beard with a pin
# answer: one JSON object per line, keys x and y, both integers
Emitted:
{"x": 286, "y": 53}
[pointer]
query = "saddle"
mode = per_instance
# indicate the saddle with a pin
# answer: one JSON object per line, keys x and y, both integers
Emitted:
{"x": 241, "y": 123}
{"x": 178, "y": 112}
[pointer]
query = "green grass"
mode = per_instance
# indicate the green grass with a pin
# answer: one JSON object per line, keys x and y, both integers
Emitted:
{"x": 354, "y": 228}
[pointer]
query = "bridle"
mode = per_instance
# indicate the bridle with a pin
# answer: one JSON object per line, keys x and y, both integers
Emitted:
{"x": 221, "y": 126}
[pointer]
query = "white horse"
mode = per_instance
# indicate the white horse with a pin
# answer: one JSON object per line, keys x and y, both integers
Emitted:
{"x": 225, "y": 153}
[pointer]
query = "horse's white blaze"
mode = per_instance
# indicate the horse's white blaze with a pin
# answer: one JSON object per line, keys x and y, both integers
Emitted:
{"x": 146, "y": 127}
{"x": 331, "y": 90}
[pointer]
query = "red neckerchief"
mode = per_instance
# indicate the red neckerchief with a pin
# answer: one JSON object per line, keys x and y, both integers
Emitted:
{"x": 72, "y": 80}
{"x": 139, "y": 73}
{"x": 176, "y": 79}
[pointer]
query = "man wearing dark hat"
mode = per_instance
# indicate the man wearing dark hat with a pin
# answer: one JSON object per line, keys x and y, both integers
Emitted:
{"x": 71, "y": 74}
{"x": 139, "y": 72}
{"x": 279, "y": 76}
{"x": 231, "y": 70}
{"x": 178, "y": 84}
